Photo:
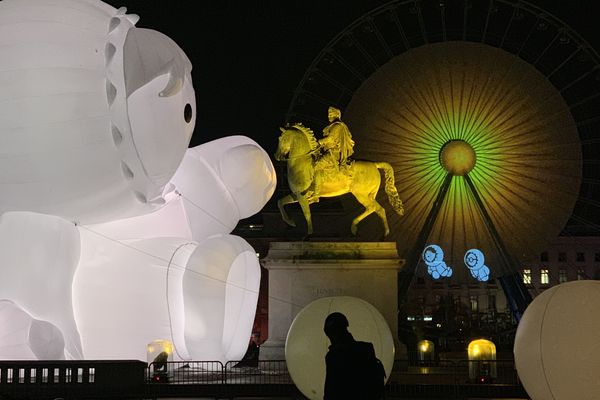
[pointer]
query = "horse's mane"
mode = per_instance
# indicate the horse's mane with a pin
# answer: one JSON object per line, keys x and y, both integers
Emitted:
{"x": 312, "y": 141}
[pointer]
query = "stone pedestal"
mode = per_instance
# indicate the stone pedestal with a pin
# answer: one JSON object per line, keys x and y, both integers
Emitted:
{"x": 300, "y": 272}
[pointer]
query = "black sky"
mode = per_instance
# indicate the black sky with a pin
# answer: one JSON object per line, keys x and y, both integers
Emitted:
{"x": 249, "y": 56}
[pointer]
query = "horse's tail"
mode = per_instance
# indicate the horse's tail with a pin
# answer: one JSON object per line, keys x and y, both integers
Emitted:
{"x": 390, "y": 187}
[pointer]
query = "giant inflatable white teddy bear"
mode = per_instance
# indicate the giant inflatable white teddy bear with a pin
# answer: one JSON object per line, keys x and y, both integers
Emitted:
{"x": 114, "y": 234}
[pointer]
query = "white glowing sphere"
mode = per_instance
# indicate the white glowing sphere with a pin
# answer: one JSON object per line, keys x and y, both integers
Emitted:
{"x": 557, "y": 344}
{"x": 306, "y": 344}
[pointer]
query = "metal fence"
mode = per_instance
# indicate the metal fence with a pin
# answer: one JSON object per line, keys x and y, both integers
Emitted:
{"x": 444, "y": 372}
{"x": 455, "y": 372}
{"x": 444, "y": 379}
{"x": 186, "y": 372}
{"x": 215, "y": 372}
{"x": 450, "y": 379}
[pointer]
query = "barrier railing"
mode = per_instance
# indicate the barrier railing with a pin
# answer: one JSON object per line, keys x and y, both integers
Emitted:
{"x": 105, "y": 379}
{"x": 214, "y": 372}
{"x": 187, "y": 372}
{"x": 266, "y": 372}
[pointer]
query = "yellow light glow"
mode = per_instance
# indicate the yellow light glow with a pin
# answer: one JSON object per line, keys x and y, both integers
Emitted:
{"x": 482, "y": 349}
{"x": 458, "y": 157}
{"x": 160, "y": 345}
{"x": 425, "y": 346}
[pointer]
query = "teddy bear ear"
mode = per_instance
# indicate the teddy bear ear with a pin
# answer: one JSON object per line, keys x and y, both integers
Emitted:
{"x": 148, "y": 54}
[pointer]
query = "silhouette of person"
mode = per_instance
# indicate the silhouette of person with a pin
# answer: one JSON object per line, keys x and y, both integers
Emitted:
{"x": 347, "y": 363}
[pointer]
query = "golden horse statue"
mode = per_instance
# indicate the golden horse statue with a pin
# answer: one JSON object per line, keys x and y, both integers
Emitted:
{"x": 298, "y": 146}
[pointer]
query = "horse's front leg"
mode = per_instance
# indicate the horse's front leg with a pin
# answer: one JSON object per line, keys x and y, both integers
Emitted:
{"x": 305, "y": 205}
{"x": 281, "y": 203}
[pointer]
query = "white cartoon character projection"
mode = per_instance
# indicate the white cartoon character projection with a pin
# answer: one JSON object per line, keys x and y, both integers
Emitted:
{"x": 474, "y": 260}
{"x": 113, "y": 234}
{"x": 433, "y": 256}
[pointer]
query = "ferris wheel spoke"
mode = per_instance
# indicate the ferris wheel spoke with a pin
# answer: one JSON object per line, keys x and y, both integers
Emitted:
{"x": 566, "y": 60}
{"x": 545, "y": 50}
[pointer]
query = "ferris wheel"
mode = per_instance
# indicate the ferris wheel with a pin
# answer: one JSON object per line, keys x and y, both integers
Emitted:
{"x": 489, "y": 113}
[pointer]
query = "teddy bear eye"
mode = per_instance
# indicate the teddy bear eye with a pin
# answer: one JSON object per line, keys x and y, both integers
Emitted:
{"x": 187, "y": 113}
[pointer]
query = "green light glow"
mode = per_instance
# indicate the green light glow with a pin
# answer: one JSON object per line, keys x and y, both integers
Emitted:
{"x": 524, "y": 137}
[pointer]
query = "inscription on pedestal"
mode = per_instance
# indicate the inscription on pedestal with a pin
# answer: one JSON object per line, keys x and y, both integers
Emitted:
{"x": 325, "y": 292}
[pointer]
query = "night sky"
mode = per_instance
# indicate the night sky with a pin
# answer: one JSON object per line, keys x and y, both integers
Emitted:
{"x": 249, "y": 56}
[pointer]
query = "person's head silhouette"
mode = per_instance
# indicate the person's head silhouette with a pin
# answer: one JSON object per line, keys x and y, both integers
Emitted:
{"x": 336, "y": 326}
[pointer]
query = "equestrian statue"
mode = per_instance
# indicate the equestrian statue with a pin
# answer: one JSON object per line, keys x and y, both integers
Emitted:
{"x": 323, "y": 168}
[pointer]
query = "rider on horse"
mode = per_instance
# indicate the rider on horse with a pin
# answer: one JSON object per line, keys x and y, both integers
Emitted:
{"x": 337, "y": 139}
{"x": 297, "y": 146}
{"x": 337, "y": 145}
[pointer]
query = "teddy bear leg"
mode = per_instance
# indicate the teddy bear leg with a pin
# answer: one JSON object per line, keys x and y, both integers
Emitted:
{"x": 26, "y": 338}
{"x": 38, "y": 256}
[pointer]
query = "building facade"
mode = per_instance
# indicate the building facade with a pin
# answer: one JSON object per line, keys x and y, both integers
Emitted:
{"x": 453, "y": 311}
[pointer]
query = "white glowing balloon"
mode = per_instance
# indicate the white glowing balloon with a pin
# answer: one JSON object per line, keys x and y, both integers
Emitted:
{"x": 240, "y": 175}
{"x": 93, "y": 110}
{"x": 113, "y": 234}
{"x": 557, "y": 352}
{"x": 220, "y": 292}
{"x": 24, "y": 337}
{"x": 38, "y": 257}
{"x": 201, "y": 297}
{"x": 306, "y": 344}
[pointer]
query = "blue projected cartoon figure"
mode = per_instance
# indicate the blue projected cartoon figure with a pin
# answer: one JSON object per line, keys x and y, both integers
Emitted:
{"x": 433, "y": 256}
{"x": 474, "y": 259}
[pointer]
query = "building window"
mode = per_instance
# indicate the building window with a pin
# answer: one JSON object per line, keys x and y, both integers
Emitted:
{"x": 474, "y": 303}
{"x": 457, "y": 300}
{"x": 580, "y": 274}
{"x": 562, "y": 275}
{"x": 527, "y": 276}
{"x": 580, "y": 257}
{"x": 492, "y": 302}
{"x": 544, "y": 276}
{"x": 544, "y": 256}
{"x": 562, "y": 256}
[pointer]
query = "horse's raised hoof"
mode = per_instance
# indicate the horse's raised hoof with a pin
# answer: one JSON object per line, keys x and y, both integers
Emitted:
{"x": 290, "y": 223}
{"x": 353, "y": 229}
